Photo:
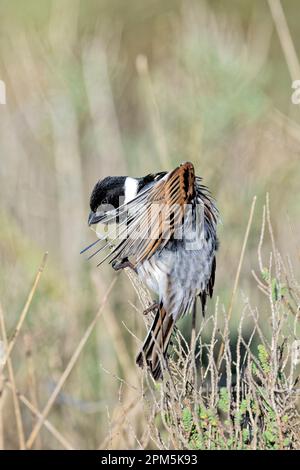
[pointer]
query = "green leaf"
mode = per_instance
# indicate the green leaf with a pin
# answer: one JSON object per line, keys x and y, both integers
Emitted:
{"x": 187, "y": 419}
{"x": 275, "y": 290}
{"x": 224, "y": 402}
{"x": 265, "y": 274}
{"x": 263, "y": 356}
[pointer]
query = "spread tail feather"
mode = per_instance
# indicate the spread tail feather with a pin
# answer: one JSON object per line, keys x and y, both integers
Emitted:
{"x": 154, "y": 350}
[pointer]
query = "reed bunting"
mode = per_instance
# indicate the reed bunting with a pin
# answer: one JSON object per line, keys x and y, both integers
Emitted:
{"x": 163, "y": 226}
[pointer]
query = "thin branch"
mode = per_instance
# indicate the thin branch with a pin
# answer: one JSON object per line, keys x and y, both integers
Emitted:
{"x": 17, "y": 410}
{"x": 55, "y": 433}
{"x": 24, "y": 312}
{"x": 2, "y": 396}
{"x": 31, "y": 379}
{"x": 285, "y": 38}
{"x": 67, "y": 371}
{"x": 237, "y": 277}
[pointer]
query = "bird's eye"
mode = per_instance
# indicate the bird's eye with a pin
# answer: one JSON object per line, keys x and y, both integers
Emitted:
{"x": 104, "y": 201}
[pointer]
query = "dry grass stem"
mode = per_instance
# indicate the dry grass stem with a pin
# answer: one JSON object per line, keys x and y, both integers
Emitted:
{"x": 285, "y": 38}
{"x": 24, "y": 312}
{"x": 55, "y": 433}
{"x": 17, "y": 409}
{"x": 237, "y": 276}
{"x": 67, "y": 371}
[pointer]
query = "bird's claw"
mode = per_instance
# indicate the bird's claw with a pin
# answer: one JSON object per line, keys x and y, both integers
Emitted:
{"x": 122, "y": 265}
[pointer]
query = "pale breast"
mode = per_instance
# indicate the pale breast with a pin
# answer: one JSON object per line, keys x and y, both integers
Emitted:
{"x": 178, "y": 275}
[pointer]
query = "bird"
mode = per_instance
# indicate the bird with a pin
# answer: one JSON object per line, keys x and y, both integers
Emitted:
{"x": 164, "y": 227}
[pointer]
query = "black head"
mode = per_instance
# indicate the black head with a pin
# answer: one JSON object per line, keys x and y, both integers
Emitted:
{"x": 107, "y": 191}
{"x": 106, "y": 195}
{"x": 111, "y": 192}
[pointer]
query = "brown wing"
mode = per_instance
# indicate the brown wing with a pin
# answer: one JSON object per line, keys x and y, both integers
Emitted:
{"x": 156, "y": 215}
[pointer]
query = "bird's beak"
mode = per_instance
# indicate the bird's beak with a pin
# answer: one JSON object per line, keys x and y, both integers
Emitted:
{"x": 95, "y": 217}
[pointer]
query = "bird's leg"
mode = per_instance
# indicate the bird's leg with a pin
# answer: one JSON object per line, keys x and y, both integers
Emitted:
{"x": 152, "y": 307}
{"x": 125, "y": 263}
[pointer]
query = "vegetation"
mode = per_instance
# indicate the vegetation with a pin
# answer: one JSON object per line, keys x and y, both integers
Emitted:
{"x": 245, "y": 397}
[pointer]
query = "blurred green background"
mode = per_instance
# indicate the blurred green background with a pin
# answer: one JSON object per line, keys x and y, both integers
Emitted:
{"x": 96, "y": 88}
